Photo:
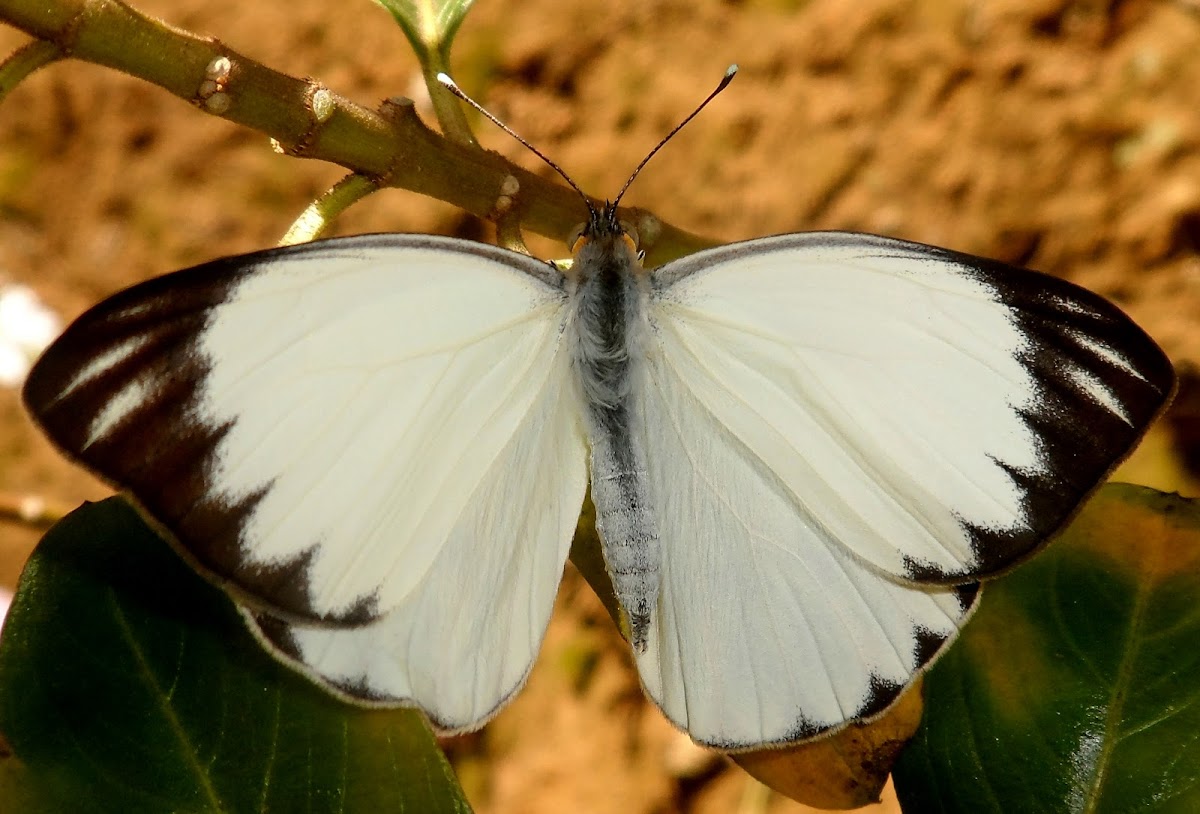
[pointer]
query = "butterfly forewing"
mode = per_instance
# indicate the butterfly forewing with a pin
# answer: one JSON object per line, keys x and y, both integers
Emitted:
{"x": 310, "y": 423}
{"x": 936, "y": 415}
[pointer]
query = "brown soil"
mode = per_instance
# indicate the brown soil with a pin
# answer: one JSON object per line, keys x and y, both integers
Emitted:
{"x": 1060, "y": 134}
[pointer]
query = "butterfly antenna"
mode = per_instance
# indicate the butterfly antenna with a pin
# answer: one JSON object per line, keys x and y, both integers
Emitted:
{"x": 457, "y": 91}
{"x": 730, "y": 73}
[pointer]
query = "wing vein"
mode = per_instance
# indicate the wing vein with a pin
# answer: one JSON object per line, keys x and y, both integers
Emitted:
{"x": 719, "y": 496}
{"x": 835, "y": 434}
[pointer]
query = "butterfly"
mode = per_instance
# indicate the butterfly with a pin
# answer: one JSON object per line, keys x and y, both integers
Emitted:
{"x": 804, "y": 452}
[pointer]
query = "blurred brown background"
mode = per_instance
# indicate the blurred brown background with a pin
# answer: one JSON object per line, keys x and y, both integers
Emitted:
{"x": 1059, "y": 134}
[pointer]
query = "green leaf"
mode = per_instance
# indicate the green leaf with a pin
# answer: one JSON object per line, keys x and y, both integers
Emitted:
{"x": 430, "y": 25}
{"x": 128, "y": 683}
{"x": 1076, "y": 687}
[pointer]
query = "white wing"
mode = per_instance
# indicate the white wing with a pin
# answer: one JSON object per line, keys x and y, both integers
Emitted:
{"x": 938, "y": 415}
{"x": 823, "y": 411}
{"x": 462, "y": 642}
{"x": 316, "y": 424}
{"x": 765, "y": 632}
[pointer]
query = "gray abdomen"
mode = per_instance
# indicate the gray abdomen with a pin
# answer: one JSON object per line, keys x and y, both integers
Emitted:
{"x": 609, "y": 329}
{"x": 623, "y": 518}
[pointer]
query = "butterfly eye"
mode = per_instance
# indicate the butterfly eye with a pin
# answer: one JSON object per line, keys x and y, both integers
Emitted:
{"x": 632, "y": 233}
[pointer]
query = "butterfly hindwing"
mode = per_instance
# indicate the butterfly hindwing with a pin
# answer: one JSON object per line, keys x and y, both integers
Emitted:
{"x": 765, "y": 631}
{"x": 311, "y": 423}
{"x": 462, "y": 642}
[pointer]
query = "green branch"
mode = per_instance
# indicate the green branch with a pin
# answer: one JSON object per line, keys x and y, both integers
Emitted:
{"x": 391, "y": 146}
{"x": 314, "y": 220}
{"x": 24, "y": 61}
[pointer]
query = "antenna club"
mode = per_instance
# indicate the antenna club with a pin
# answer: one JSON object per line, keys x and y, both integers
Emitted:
{"x": 450, "y": 85}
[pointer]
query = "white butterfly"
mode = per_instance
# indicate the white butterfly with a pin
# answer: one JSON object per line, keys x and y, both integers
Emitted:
{"x": 803, "y": 451}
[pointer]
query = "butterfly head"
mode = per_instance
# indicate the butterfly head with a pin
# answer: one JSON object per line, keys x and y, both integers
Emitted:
{"x": 604, "y": 231}
{"x": 604, "y": 235}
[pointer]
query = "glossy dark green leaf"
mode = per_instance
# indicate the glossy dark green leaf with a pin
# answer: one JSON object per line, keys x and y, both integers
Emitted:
{"x": 128, "y": 683}
{"x": 1076, "y": 687}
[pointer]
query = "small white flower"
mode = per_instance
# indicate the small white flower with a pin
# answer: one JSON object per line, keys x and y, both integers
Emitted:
{"x": 27, "y": 326}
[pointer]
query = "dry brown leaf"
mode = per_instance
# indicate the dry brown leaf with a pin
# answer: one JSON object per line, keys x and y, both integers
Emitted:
{"x": 845, "y": 770}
